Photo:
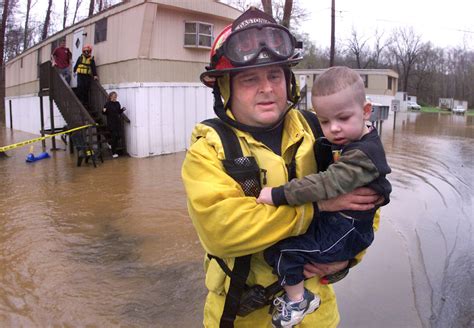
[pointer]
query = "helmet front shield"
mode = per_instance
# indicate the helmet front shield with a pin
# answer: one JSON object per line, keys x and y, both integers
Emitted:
{"x": 259, "y": 42}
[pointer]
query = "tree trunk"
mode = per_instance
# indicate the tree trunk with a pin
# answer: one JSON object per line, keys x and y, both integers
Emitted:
{"x": 78, "y": 4}
{"x": 267, "y": 7}
{"x": 26, "y": 28}
{"x": 287, "y": 13}
{"x": 47, "y": 20}
{"x": 91, "y": 8}
{"x": 2, "y": 58}
{"x": 2, "y": 31}
{"x": 65, "y": 13}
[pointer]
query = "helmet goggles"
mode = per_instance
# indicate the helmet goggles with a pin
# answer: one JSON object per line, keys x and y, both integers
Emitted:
{"x": 246, "y": 45}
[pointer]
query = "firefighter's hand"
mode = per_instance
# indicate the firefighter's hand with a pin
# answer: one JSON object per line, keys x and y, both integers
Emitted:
{"x": 361, "y": 199}
{"x": 265, "y": 196}
{"x": 323, "y": 269}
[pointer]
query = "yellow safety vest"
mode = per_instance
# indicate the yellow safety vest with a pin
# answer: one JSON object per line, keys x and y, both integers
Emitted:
{"x": 84, "y": 66}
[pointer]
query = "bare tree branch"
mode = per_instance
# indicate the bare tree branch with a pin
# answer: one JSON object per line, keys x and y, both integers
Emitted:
{"x": 47, "y": 20}
{"x": 358, "y": 48}
{"x": 406, "y": 47}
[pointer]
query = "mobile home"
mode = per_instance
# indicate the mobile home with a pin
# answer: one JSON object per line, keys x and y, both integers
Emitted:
{"x": 151, "y": 52}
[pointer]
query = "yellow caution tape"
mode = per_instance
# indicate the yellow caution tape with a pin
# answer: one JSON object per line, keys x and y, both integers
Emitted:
{"x": 27, "y": 142}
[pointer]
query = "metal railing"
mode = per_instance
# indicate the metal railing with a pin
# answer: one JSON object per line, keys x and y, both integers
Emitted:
{"x": 98, "y": 97}
{"x": 73, "y": 111}
{"x": 68, "y": 104}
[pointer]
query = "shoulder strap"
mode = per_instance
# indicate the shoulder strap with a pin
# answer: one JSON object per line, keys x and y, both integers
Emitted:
{"x": 322, "y": 147}
{"x": 229, "y": 140}
{"x": 238, "y": 275}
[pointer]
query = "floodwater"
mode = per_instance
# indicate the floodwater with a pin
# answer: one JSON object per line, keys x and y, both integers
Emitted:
{"x": 113, "y": 246}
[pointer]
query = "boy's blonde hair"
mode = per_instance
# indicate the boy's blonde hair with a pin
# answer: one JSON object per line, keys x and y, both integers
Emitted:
{"x": 338, "y": 78}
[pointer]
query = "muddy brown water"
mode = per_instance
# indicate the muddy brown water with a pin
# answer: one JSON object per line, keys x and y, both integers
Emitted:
{"x": 113, "y": 246}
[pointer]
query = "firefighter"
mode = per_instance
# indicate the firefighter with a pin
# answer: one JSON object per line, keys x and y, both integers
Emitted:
{"x": 85, "y": 70}
{"x": 255, "y": 93}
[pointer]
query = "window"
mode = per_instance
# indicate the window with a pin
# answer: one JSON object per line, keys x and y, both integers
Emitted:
{"x": 389, "y": 83}
{"x": 100, "y": 31}
{"x": 365, "y": 78}
{"x": 197, "y": 34}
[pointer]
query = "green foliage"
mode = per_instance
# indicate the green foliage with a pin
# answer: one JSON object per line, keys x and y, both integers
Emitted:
{"x": 427, "y": 109}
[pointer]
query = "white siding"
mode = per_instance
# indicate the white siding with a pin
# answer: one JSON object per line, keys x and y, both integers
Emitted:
{"x": 162, "y": 115}
{"x": 26, "y": 115}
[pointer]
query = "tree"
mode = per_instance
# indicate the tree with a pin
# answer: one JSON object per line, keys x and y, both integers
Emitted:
{"x": 91, "y": 8}
{"x": 313, "y": 57}
{"x": 78, "y": 4}
{"x": 405, "y": 47}
{"x": 47, "y": 19}
{"x": 285, "y": 12}
{"x": 267, "y": 7}
{"x": 358, "y": 47}
{"x": 26, "y": 35}
{"x": 65, "y": 13}
{"x": 5, "y": 14}
{"x": 378, "y": 50}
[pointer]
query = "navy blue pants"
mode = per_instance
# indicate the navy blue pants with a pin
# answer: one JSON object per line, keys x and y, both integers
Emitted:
{"x": 330, "y": 238}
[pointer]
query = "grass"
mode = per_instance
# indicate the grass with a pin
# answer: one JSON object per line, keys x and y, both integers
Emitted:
{"x": 427, "y": 109}
{"x": 434, "y": 110}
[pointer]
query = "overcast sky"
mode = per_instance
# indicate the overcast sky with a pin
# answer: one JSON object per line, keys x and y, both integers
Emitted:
{"x": 448, "y": 23}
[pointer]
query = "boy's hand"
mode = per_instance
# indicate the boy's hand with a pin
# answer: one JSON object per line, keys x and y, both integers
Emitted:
{"x": 323, "y": 269}
{"x": 265, "y": 196}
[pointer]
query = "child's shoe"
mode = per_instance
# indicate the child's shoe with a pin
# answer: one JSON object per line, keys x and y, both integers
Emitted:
{"x": 288, "y": 313}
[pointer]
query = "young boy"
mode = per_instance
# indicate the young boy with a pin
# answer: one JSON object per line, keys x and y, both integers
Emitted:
{"x": 338, "y": 97}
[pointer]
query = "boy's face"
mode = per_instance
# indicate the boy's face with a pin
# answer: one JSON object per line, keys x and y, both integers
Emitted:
{"x": 342, "y": 118}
